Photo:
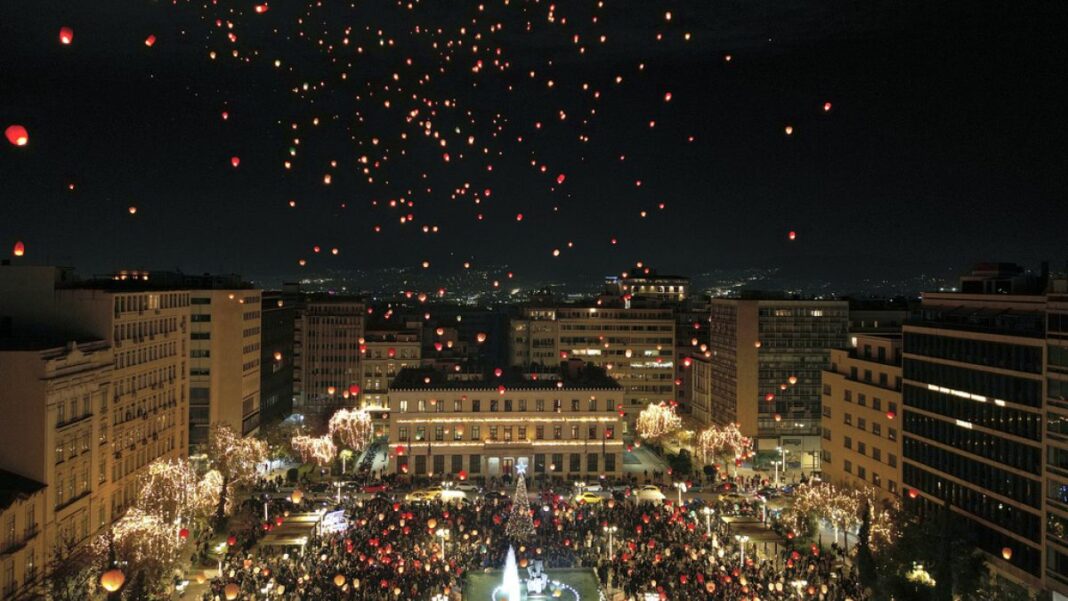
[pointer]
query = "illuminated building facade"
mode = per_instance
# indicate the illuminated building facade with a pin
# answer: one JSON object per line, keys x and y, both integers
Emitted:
{"x": 454, "y": 424}
{"x": 635, "y": 346}
{"x": 861, "y": 426}
{"x": 327, "y": 350}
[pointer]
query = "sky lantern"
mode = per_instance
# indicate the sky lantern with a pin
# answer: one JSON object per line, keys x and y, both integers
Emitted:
{"x": 792, "y": 235}
{"x": 19, "y": 250}
{"x": 261, "y": 8}
{"x": 17, "y": 135}
{"x": 1006, "y": 553}
{"x": 560, "y": 178}
{"x": 667, "y": 97}
{"x": 235, "y": 161}
{"x": 66, "y": 35}
{"x": 789, "y": 129}
{"x": 112, "y": 580}
{"x": 826, "y": 107}
{"x": 480, "y": 337}
{"x": 132, "y": 210}
{"x": 150, "y": 41}
{"x": 354, "y": 389}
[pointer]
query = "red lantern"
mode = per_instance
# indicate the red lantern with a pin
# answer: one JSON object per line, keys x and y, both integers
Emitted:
{"x": 1006, "y": 552}
{"x": 66, "y": 35}
{"x": 463, "y": 475}
{"x": 278, "y": 521}
{"x": 261, "y": 8}
{"x": 150, "y": 40}
{"x": 913, "y": 493}
{"x": 231, "y": 540}
{"x": 183, "y": 533}
{"x": 793, "y": 235}
{"x": 354, "y": 389}
{"x": 890, "y": 415}
{"x": 235, "y": 161}
{"x": 17, "y": 135}
{"x": 19, "y": 250}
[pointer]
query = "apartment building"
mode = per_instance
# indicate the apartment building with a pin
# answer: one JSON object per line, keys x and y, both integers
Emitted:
{"x": 861, "y": 425}
{"x": 23, "y": 553}
{"x": 327, "y": 351}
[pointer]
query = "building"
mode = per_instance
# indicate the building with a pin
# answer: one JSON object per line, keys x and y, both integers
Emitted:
{"x": 23, "y": 553}
{"x": 327, "y": 351}
{"x": 224, "y": 358}
{"x": 641, "y": 283}
{"x": 474, "y": 424}
{"x": 877, "y": 316}
{"x": 55, "y": 399}
{"x": 1055, "y": 501}
{"x": 861, "y": 424}
{"x": 144, "y": 414}
{"x": 691, "y": 344}
{"x": 973, "y": 404}
{"x": 277, "y": 317}
{"x": 636, "y": 347}
{"x": 767, "y": 357}
{"x": 700, "y": 379}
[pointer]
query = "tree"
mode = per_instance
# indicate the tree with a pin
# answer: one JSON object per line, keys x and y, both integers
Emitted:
{"x": 147, "y": 547}
{"x": 235, "y": 459}
{"x": 520, "y": 526}
{"x": 864, "y": 559}
{"x": 352, "y": 427}
{"x": 318, "y": 449}
{"x": 657, "y": 421}
{"x": 69, "y": 574}
{"x": 171, "y": 490}
{"x": 725, "y": 442}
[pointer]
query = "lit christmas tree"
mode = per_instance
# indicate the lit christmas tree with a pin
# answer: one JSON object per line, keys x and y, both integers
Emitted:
{"x": 520, "y": 526}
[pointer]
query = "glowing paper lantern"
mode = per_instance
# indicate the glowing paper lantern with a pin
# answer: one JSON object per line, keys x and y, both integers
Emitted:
{"x": 354, "y": 389}
{"x": 66, "y": 35}
{"x": 235, "y": 161}
{"x": 339, "y": 580}
{"x": 231, "y": 540}
{"x": 150, "y": 41}
{"x": 17, "y": 135}
{"x": 1006, "y": 552}
{"x": 826, "y": 107}
{"x": 560, "y": 178}
{"x": 789, "y": 129}
{"x": 19, "y": 250}
{"x": 232, "y": 591}
{"x": 792, "y": 235}
{"x": 112, "y": 580}
{"x": 183, "y": 533}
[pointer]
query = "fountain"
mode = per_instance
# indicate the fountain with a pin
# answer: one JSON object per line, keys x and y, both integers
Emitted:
{"x": 510, "y": 588}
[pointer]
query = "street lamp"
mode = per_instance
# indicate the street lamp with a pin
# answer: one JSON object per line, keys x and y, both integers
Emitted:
{"x": 708, "y": 519}
{"x": 611, "y": 530}
{"x": 742, "y": 539}
{"x": 443, "y": 533}
{"x": 681, "y": 486}
{"x": 782, "y": 453}
{"x": 266, "y": 502}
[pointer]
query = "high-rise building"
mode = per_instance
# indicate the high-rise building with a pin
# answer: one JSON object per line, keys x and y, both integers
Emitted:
{"x": 635, "y": 346}
{"x": 700, "y": 389}
{"x": 554, "y": 423}
{"x": 224, "y": 358}
{"x": 55, "y": 395}
{"x": 327, "y": 351}
{"x": 144, "y": 414}
{"x": 861, "y": 424}
{"x": 278, "y": 313}
{"x": 974, "y": 407}
{"x": 767, "y": 355}
{"x": 22, "y": 504}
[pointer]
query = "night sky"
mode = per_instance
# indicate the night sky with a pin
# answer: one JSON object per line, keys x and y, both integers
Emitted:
{"x": 946, "y": 141}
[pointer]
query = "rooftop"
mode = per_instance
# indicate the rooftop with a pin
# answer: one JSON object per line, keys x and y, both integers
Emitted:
{"x": 14, "y": 487}
{"x": 586, "y": 377}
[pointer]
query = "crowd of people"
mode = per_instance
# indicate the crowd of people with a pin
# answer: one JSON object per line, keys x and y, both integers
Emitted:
{"x": 392, "y": 550}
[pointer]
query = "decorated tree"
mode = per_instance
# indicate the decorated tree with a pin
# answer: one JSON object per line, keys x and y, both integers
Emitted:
{"x": 658, "y": 421}
{"x": 320, "y": 450}
{"x": 235, "y": 459}
{"x": 726, "y": 442}
{"x": 352, "y": 427}
{"x": 171, "y": 490}
{"x": 148, "y": 547}
{"x": 520, "y": 526}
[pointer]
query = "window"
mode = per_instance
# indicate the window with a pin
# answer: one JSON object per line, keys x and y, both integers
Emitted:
{"x": 862, "y": 473}
{"x": 493, "y": 405}
{"x": 891, "y": 460}
{"x": 539, "y": 405}
{"x": 508, "y": 433}
{"x": 876, "y": 480}
{"x": 876, "y": 403}
{"x": 576, "y": 462}
{"x": 539, "y": 432}
{"x": 848, "y": 466}
{"x": 493, "y": 432}
{"x": 522, "y": 404}
{"x": 862, "y": 448}
{"x": 557, "y": 432}
{"x": 574, "y": 404}
{"x": 476, "y": 406}
{"x": 876, "y": 429}
{"x": 848, "y": 419}
{"x": 476, "y": 432}
{"x": 847, "y": 442}
{"x": 891, "y": 433}
{"x": 421, "y": 405}
{"x": 508, "y": 405}
{"x": 862, "y": 423}
{"x": 457, "y": 406}
{"x": 876, "y": 454}
{"x": 522, "y": 433}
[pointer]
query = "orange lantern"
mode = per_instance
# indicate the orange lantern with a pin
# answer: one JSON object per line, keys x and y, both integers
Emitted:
{"x": 19, "y": 250}
{"x": 231, "y": 591}
{"x": 339, "y": 580}
{"x": 1006, "y": 552}
{"x": 112, "y": 580}
{"x": 66, "y": 35}
{"x": 150, "y": 41}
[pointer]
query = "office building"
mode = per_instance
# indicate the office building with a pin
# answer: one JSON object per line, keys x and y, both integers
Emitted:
{"x": 327, "y": 351}
{"x": 641, "y": 283}
{"x": 635, "y": 346}
{"x": 767, "y": 357}
{"x": 224, "y": 358}
{"x": 475, "y": 424}
{"x": 973, "y": 414}
{"x": 278, "y": 314}
{"x": 861, "y": 426}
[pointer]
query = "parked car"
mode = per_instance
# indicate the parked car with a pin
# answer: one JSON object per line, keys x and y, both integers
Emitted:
{"x": 375, "y": 487}
{"x": 495, "y": 495}
{"x": 649, "y": 494}
{"x": 588, "y": 497}
{"x": 590, "y": 486}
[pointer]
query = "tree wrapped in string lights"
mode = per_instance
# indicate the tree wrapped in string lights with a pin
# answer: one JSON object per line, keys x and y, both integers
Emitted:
{"x": 171, "y": 490}
{"x": 843, "y": 508}
{"x": 146, "y": 544}
{"x": 658, "y": 421}
{"x": 320, "y": 450}
{"x": 520, "y": 527}
{"x": 352, "y": 427}
{"x": 235, "y": 458}
{"x": 725, "y": 442}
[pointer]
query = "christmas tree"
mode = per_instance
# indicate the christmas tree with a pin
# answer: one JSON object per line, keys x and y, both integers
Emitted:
{"x": 520, "y": 526}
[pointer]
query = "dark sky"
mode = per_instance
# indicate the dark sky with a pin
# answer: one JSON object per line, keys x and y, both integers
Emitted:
{"x": 946, "y": 143}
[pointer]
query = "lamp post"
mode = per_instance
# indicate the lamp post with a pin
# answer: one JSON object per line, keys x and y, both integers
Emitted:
{"x": 681, "y": 486}
{"x": 338, "y": 484}
{"x": 782, "y": 454}
{"x": 742, "y": 539}
{"x": 266, "y": 502}
{"x": 442, "y": 532}
{"x": 708, "y": 519}
{"x": 611, "y": 530}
